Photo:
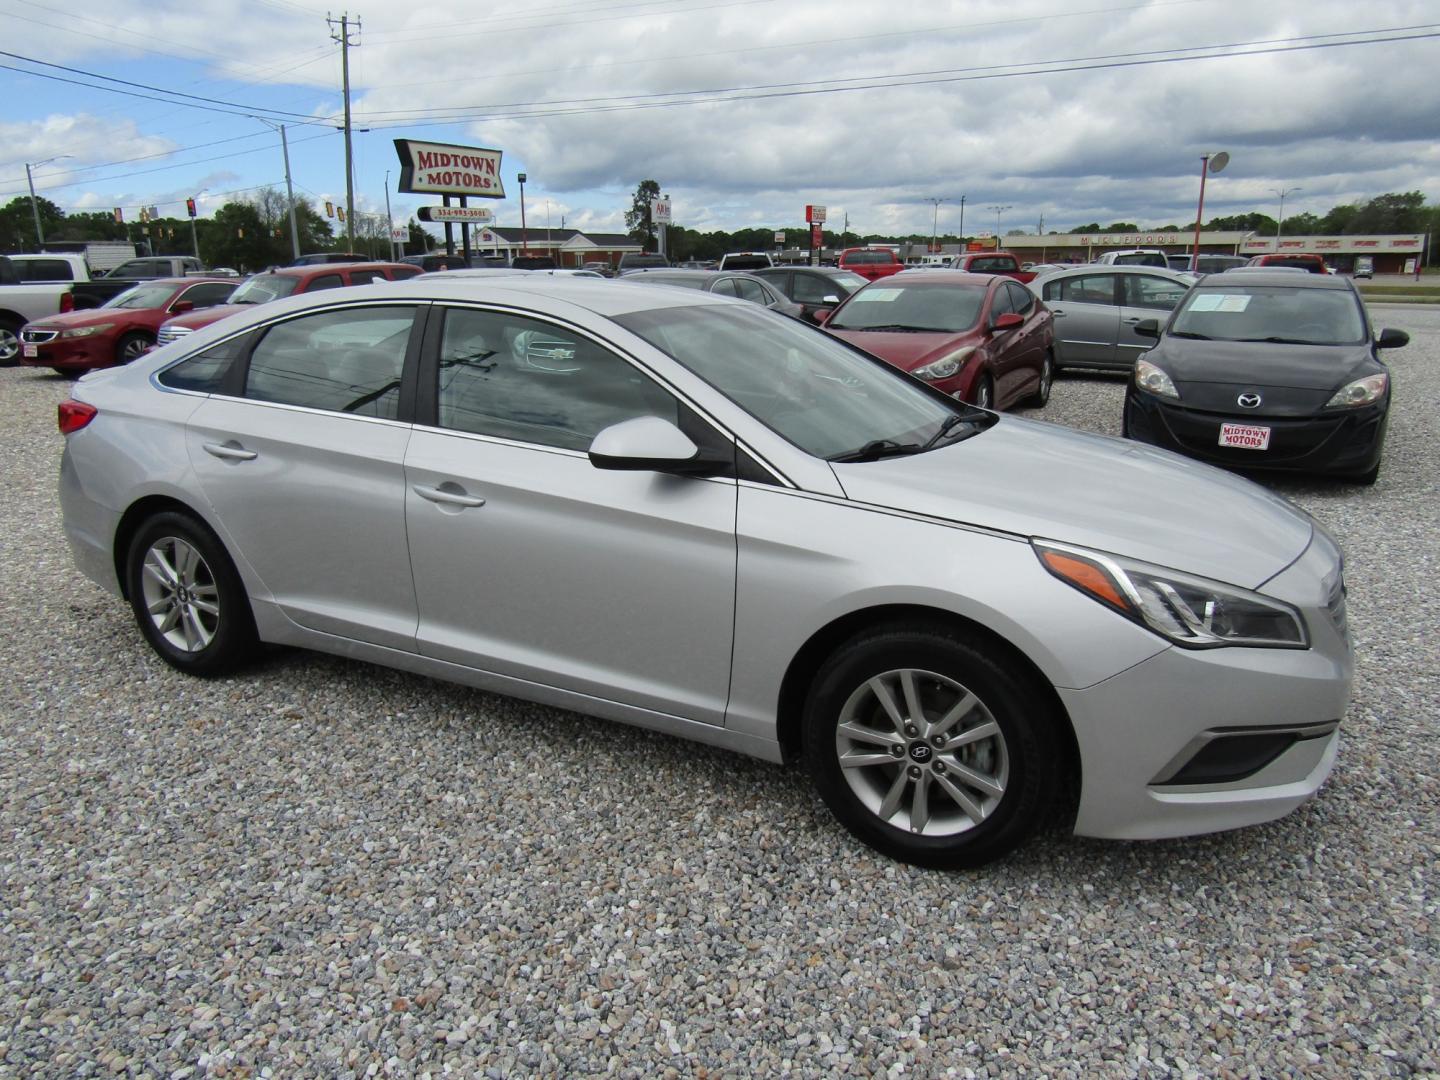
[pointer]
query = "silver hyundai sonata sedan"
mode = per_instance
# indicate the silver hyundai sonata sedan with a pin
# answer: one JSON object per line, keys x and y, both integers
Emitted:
{"x": 691, "y": 514}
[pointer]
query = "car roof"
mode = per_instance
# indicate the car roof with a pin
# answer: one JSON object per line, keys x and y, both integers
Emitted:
{"x": 317, "y": 269}
{"x": 944, "y": 277}
{"x": 1277, "y": 275}
{"x": 1121, "y": 268}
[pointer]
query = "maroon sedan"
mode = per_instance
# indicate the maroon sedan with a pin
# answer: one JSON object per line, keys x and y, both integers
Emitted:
{"x": 978, "y": 337}
{"x": 120, "y": 329}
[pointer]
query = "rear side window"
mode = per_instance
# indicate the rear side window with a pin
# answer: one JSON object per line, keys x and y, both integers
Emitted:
{"x": 401, "y": 275}
{"x": 1083, "y": 289}
{"x": 204, "y": 372}
{"x": 342, "y": 361}
{"x": 325, "y": 281}
{"x": 365, "y": 277}
{"x": 43, "y": 270}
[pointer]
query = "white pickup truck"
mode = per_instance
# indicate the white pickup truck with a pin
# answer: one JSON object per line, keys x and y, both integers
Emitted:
{"x": 34, "y": 287}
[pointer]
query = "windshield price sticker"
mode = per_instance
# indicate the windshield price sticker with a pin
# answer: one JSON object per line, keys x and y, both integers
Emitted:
{"x": 1245, "y": 436}
{"x": 1220, "y": 302}
{"x": 867, "y": 296}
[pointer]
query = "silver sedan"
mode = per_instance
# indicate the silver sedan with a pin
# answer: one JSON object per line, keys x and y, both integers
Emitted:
{"x": 688, "y": 513}
{"x": 1097, "y": 308}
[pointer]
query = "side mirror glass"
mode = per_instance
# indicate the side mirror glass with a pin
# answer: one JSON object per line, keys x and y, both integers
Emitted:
{"x": 1147, "y": 328}
{"x": 1009, "y": 321}
{"x": 1392, "y": 339}
{"x": 832, "y": 299}
{"x": 650, "y": 444}
{"x": 179, "y": 307}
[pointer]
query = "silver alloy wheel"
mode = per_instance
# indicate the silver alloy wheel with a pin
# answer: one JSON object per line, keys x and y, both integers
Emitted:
{"x": 9, "y": 345}
{"x": 133, "y": 350}
{"x": 982, "y": 395}
{"x": 180, "y": 594}
{"x": 1047, "y": 378}
{"x": 922, "y": 752}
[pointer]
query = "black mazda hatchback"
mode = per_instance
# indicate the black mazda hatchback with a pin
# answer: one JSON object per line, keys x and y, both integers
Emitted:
{"x": 1267, "y": 371}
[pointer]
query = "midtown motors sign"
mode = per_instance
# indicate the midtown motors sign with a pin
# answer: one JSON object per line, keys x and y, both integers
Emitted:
{"x": 442, "y": 169}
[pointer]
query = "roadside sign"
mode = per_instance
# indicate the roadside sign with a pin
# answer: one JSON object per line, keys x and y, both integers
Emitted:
{"x": 815, "y": 214}
{"x": 446, "y": 169}
{"x": 779, "y": 237}
{"x": 660, "y": 210}
{"x": 475, "y": 214}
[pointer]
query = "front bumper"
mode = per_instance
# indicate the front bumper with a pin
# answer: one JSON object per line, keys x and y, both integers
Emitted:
{"x": 1342, "y": 442}
{"x": 1196, "y": 741}
{"x": 70, "y": 353}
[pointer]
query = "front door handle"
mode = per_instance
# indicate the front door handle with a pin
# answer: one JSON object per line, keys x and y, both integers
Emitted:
{"x": 1132, "y": 322}
{"x": 452, "y": 495}
{"x": 230, "y": 450}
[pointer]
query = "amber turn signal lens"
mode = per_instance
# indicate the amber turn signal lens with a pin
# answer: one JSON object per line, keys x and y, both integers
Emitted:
{"x": 1087, "y": 577}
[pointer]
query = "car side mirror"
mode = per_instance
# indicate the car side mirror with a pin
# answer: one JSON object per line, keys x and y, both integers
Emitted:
{"x": 1392, "y": 339}
{"x": 650, "y": 444}
{"x": 179, "y": 307}
{"x": 820, "y": 316}
{"x": 1009, "y": 321}
{"x": 831, "y": 299}
{"x": 1147, "y": 328}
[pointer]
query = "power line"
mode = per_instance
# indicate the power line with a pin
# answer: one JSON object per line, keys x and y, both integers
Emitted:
{"x": 391, "y": 37}
{"x": 244, "y": 110}
{"x": 170, "y": 202}
{"x": 805, "y": 89}
{"x": 141, "y": 157}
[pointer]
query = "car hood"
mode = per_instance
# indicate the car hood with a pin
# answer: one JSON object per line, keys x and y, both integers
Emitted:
{"x": 1035, "y": 479}
{"x": 1258, "y": 363}
{"x": 89, "y": 317}
{"x": 905, "y": 351}
{"x": 194, "y": 320}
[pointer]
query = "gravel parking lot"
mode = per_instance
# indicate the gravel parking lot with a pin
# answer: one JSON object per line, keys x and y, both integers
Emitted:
{"x": 325, "y": 868}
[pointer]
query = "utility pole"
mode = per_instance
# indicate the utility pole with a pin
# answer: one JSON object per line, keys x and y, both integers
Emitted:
{"x": 962, "y": 224}
{"x": 289, "y": 187}
{"x": 389, "y": 221}
{"x": 998, "y": 211}
{"x": 934, "y": 224}
{"x": 1282, "y": 192}
{"x": 34, "y": 204}
{"x": 343, "y": 38}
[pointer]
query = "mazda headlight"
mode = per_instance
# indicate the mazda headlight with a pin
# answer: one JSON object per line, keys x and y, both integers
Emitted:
{"x": 946, "y": 366}
{"x": 1193, "y": 612}
{"x": 1360, "y": 392}
{"x": 86, "y": 331}
{"x": 1152, "y": 379}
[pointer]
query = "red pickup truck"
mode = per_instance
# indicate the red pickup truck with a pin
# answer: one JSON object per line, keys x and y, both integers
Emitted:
{"x": 991, "y": 262}
{"x": 870, "y": 263}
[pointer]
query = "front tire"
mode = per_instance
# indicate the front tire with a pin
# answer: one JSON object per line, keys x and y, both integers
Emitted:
{"x": 1041, "y": 397}
{"x": 931, "y": 746}
{"x": 187, "y": 598}
{"x": 984, "y": 392}
{"x": 131, "y": 347}
{"x": 9, "y": 343}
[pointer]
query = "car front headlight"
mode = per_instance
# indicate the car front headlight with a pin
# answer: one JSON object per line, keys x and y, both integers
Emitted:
{"x": 1192, "y": 612}
{"x": 1153, "y": 380}
{"x": 946, "y": 366}
{"x": 85, "y": 331}
{"x": 1360, "y": 392}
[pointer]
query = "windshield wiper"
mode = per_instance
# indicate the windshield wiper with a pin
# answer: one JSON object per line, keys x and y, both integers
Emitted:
{"x": 1190, "y": 334}
{"x": 889, "y": 327}
{"x": 1282, "y": 340}
{"x": 944, "y": 429}
{"x": 876, "y": 449}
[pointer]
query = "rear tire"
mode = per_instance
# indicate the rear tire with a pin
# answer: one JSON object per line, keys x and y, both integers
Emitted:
{"x": 187, "y": 597}
{"x": 931, "y": 746}
{"x": 1041, "y": 397}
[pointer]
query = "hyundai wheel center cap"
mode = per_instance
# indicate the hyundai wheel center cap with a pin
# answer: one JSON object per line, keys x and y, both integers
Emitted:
{"x": 920, "y": 752}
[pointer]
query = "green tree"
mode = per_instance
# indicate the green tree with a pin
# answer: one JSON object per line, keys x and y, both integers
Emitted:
{"x": 17, "y": 223}
{"x": 1093, "y": 227}
{"x": 1395, "y": 212}
{"x": 637, "y": 218}
{"x": 236, "y": 237}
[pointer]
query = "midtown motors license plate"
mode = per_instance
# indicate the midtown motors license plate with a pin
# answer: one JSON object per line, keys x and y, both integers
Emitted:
{"x": 1245, "y": 436}
{"x": 31, "y": 350}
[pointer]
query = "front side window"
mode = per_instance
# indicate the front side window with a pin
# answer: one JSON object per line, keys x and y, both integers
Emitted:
{"x": 1147, "y": 291}
{"x": 346, "y": 361}
{"x": 810, "y": 389}
{"x": 208, "y": 294}
{"x": 890, "y": 304}
{"x": 517, "y": 378}
{"x": 1020, "y": 299}
{"x": 44, "y": 270}
{"x": 810, "y": 289}
{"x": 1271, "y": 313}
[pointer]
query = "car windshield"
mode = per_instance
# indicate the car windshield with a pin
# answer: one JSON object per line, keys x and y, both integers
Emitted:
{"x": 815, "y": 392}
{"x": 263, "y": 288}
{"x": 142, "y": 296}
{"x": 942, "y": 307}
{"x": 1273, "y": 313}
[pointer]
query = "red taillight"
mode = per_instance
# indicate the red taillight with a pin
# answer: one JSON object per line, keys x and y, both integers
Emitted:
{"x": 67, "y": 302}
{"x": 74, "y": 415}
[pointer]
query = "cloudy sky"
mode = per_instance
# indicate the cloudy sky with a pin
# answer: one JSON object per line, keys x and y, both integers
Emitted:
{"x": 743, "y": 110}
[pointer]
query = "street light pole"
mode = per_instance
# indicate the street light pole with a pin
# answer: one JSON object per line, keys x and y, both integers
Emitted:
{"x": 998, "y": 211}
{"x": 1282, "y": 192}
{"x": 962, "y": 224}
{"x": 524, "y": 246}
{"x": 935, "y": 222}
{"x": 34, "y": 203}
{"x": 389, "y": 220}
{"x": 1208, "y": 163}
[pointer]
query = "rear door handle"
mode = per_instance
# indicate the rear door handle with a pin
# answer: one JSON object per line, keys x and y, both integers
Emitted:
{"x": 448, "y": 496}
{"x": 233, "y": 451}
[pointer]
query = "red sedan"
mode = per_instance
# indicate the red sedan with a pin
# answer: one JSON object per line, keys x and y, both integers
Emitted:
{"x": 119, "y": 330}
{"x": 978, "y": 337}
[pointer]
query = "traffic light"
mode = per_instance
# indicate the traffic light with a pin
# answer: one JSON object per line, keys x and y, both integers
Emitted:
{"x": 190, "y": 207}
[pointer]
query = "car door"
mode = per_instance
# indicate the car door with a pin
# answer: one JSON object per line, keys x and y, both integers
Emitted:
{"x": 1143, "y": 296}
{"x": 530, "y": 562}
{"x": 1087, "y": 317}
{"x": 1030, "y": 338}
{"x": 302, "y": 459}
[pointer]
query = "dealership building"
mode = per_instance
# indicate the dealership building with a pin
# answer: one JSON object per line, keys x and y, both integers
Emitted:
{"x": 1394, "y": 254}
